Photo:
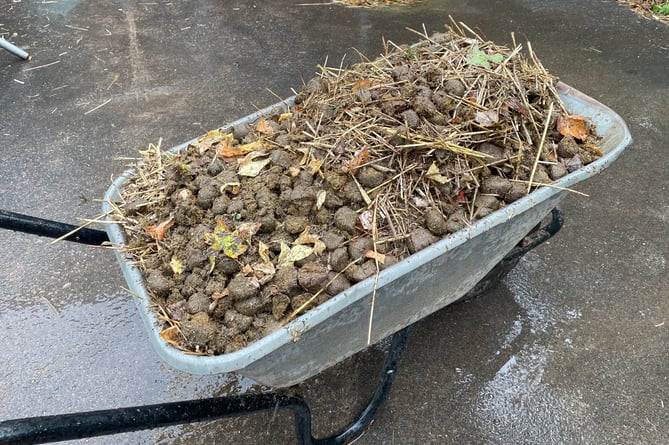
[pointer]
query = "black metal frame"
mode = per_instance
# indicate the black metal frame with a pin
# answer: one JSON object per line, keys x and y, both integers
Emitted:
{"x": 72, "y": 426}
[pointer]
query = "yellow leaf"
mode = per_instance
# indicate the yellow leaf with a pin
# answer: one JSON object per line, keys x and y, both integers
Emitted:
{"x": 284, "y": 116}
{"x": 263, "y": 251}
{"x": 289, "y": 255}
{"x": 177, "y": 265}
{"x": 224, "y": 240}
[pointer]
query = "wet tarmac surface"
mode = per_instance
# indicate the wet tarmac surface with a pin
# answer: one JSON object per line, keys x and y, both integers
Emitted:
{"x": 570, "y": 348}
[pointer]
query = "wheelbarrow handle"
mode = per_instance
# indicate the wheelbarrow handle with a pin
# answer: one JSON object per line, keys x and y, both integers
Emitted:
{"x": 52, "y": 229}
{"x": 18, "y": 52}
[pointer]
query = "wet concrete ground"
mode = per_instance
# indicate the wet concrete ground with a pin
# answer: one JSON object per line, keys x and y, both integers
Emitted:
{"x": 570, "y": 348}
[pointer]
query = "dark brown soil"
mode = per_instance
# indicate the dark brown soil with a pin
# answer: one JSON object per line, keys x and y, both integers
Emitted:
{"x": 250, "y": 225}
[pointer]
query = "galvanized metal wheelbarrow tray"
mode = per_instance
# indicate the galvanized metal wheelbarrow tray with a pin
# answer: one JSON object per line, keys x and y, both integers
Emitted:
{"x": 406, "y": 292}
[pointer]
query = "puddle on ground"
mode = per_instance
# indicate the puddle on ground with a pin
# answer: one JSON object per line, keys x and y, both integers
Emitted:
{"x": 517, "y": 405}
{"x": 88, "y": 356}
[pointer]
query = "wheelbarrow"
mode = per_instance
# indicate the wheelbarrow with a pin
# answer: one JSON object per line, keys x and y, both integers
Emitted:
{"x": 474, "y": 257}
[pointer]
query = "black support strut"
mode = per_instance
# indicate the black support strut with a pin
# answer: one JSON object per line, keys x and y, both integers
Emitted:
{"x": 45, "y": 429}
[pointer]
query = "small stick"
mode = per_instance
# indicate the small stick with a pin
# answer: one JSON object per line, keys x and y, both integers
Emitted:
{"x": 41, "y": 66}
{"x": 376, "y": 276}
{"x": 98, "y": 107}
{"x": 541, "y": 147}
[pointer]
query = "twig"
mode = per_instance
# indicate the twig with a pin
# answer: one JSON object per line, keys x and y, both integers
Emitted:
{"x": 41, "y": 66}
{"x": 376, "y": 276}
{"x": 98, "y": 107}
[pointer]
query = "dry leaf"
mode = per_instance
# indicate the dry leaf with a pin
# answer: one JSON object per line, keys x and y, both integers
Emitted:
{"x": 320, "y": 199}
{"x": 515, "y": 104}
{"x": 219, "y": 295}
{"x": 315, "y": 165}
{"x": 210, "y": 139}
{"x": 264, "y": 127}
{"x": 263, "y": 272}
{"x": 360, "y": 157}
{"x": 305, "y": 155}
{"x": 263, "y": 251}
{"x": 593, "y": 149}
{"x": 228, "y": 152}
{"x": 486, "y": 118}
{"x": 306, "y": 238}
{"x": 573, "y": 126}
{"x": 362, "y": 83}
{"x": 284, "y": 116}
{"x": 158, "y": 232}
{"x": 171, "y": 335}
{"x": 289, "y": 255}
{"x": 366, "y": 220}
{"x": 435, "y": 175}
{"x": 247, "y": 230}
{"x": 381, "y": 258}
{"x": 253, "y": 168}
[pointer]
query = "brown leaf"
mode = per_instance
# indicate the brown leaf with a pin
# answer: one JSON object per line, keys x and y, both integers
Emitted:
{"x": 247, "y": 229}
{"x": 211, "y": 138}
{"x": 362, "y": 83}
{"x": 158, "y": 232}
{"x": 264, "y": 127}
{"x": 381, "y": 258}
{"x": 228, "y": 152}
{"x": 171, "y": 335}
{"x": 574, "y": 126}
{"x": 360, "y": 157}
{"x": 514, "y": 104}
{"x": 592, "y": 148}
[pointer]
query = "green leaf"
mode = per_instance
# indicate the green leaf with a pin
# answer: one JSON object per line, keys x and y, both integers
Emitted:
{"x": 477, "y": 57}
